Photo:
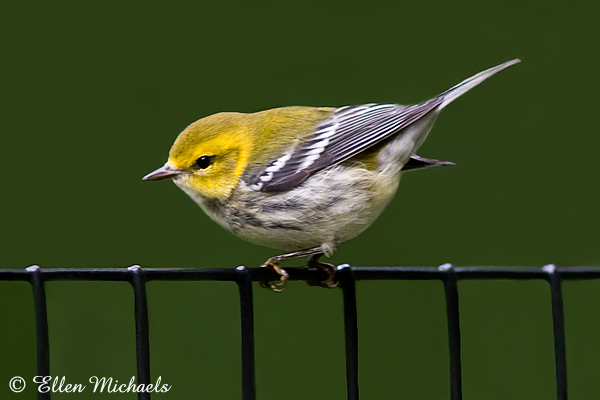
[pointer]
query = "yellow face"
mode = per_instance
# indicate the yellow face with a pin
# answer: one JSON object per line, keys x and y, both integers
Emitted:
{"x": 212, "y": 154}
{"x": 209, "y": 156}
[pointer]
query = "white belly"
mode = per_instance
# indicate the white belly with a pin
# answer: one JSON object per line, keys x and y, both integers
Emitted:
{"x": 329, "y": 208}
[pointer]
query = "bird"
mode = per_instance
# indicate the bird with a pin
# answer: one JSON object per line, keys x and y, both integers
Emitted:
{"x": 304, "y": 179}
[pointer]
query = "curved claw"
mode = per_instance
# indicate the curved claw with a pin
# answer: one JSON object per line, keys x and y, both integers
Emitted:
{"x": 276, "y": 286}
{"x": 328, "y": 283}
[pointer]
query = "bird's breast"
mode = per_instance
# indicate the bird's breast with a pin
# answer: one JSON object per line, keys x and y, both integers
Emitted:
{"x": 332, "y": 206}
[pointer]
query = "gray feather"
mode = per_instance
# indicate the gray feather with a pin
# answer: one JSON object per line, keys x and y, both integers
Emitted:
{"x": 352, "y": 130}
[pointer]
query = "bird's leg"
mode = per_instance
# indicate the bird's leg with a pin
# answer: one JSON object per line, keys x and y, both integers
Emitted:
{"x": 330, "y": 282}
{"x": 273, "y": 263}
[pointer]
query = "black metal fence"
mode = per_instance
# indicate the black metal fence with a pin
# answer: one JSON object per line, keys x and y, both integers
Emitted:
{"x": 346, "y": 275}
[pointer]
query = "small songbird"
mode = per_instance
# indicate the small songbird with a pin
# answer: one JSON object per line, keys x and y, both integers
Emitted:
{"x": 304, "y": 179}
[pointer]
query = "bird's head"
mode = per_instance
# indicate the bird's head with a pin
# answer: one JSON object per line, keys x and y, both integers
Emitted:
{"x": 209, "y": 156}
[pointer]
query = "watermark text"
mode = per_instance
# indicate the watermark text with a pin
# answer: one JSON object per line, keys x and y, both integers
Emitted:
{"x": 95, "y": 384}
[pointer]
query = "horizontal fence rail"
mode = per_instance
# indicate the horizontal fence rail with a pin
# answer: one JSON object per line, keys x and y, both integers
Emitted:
{"x": 346, "y": 275}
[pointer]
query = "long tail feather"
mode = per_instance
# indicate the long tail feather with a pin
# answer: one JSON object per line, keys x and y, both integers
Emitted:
{"x": 451, "y": 94}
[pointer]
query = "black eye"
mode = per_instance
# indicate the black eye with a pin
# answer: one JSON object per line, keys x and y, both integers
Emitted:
{"x": 203, "y": 162}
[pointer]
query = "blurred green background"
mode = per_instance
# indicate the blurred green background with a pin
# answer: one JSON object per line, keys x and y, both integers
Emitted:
{"x": 94, "y": 93}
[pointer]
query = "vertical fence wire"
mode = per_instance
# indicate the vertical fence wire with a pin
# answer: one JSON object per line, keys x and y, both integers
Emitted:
{"x": 244, "y": 282}
{"x": 351, "y": 329}
{"x": 558, "y": 326}
{"x": 142, "y": 338}
{"x": 452, "y": 312}
{"x": 41, "y": 325}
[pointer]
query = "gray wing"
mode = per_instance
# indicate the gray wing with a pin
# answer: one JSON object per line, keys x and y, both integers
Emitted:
{"x": 348, "y": 132}
{"x": 353, "y": 129}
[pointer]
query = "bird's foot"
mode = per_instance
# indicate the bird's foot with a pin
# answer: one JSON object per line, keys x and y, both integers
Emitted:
{"x": 330, "y": 282}
{"x": 276, "y": 286}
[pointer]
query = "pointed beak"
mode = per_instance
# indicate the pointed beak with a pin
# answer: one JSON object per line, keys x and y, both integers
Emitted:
{"x": 164, "y": 172}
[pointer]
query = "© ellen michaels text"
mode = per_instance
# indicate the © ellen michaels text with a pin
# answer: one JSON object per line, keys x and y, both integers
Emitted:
{"x": 49, "y": 384}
